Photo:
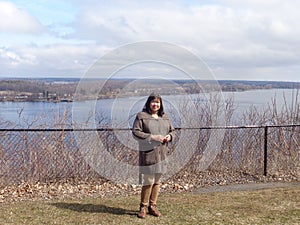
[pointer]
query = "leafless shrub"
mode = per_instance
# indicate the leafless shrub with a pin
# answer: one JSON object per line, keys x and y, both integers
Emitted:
{"x": 55, "y": 155}
{"x": 243, "y": 147}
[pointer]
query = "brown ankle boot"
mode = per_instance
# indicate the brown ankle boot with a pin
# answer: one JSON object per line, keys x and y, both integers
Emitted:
{"x": 152, "y": 209}
{"x": 142, "y": 213}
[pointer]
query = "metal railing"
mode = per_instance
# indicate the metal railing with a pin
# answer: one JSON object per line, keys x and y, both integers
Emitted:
{"x": 49, "y": 154}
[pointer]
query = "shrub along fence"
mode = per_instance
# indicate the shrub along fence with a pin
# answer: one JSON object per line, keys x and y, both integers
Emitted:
{"x": 42, "y": 155}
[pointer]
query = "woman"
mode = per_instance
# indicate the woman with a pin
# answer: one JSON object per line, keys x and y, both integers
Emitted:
{"x": 153, "y": 130}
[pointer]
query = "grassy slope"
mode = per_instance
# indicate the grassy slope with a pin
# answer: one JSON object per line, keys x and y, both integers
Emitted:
{"x": 269, "y": 206}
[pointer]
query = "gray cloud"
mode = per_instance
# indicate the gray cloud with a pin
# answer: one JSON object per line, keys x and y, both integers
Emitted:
{"x": 237, "y": 39}
{"x": 16, "y": 20}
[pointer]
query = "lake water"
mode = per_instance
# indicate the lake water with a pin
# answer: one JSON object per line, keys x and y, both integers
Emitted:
{"x": 55, "y": 115}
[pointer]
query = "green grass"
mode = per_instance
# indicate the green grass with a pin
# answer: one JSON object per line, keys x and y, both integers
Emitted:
{"x": 269, "y": 206}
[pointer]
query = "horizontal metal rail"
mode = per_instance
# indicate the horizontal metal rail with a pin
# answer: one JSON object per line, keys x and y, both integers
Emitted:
{"x": 126, "y": 129}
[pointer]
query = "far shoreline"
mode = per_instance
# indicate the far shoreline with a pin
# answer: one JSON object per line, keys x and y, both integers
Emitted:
{"x": 55, "y": 90}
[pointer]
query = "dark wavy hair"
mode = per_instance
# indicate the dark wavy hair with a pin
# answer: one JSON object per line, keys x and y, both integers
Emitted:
{"x": 151, "y": 97}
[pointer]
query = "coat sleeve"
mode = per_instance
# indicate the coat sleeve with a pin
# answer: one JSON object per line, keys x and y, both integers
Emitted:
{"x": 138, "y": 131}
{"x": 171, "y": 130}
{"x": 171, "y": 127}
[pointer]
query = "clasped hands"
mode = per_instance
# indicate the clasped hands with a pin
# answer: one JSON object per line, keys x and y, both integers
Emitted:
{"x": 161, "y": 138}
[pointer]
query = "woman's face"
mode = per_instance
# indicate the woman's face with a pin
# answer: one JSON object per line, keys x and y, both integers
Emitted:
{"x": 155, "y": 105}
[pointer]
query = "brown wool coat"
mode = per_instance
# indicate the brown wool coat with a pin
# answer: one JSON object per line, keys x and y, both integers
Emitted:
{"x": 152, "y": 154}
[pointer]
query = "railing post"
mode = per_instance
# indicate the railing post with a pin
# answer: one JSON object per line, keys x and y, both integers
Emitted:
{"x": 265, "y": 150}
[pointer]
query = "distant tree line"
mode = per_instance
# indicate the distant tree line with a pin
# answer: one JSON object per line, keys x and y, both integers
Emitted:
{"x": 36, "y": 89}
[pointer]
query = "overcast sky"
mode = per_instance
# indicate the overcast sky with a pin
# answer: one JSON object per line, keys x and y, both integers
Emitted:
{"x": 240, "y": 40}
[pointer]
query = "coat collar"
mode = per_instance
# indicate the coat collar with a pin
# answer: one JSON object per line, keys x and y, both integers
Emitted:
{"x": 145, "y": 115}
